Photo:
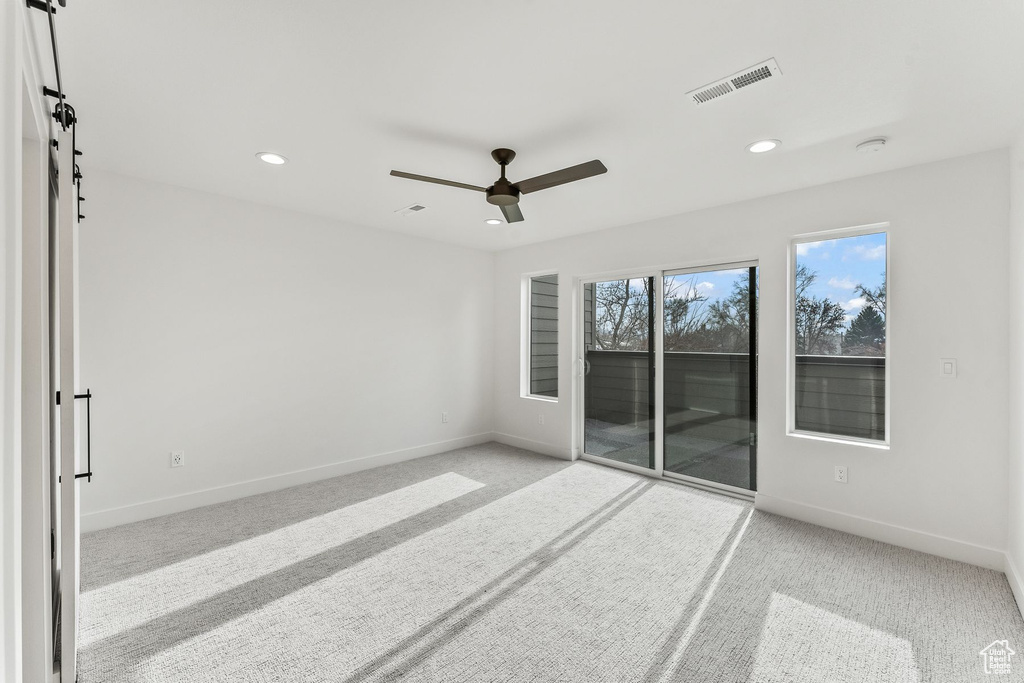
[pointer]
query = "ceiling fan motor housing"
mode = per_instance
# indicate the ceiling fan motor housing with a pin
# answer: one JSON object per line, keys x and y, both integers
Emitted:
{"x": 503, "y": 193}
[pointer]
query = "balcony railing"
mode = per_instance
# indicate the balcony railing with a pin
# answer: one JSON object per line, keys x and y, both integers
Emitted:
{"x": 839, "y": 395}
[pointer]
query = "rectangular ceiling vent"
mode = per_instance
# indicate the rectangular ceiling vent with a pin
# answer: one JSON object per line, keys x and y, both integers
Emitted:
{"x": 755, "y": 74}
{"x": 411, "y": 209}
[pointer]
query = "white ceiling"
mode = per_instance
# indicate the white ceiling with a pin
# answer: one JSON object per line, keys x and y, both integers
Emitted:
{"x": 187, "y": 91}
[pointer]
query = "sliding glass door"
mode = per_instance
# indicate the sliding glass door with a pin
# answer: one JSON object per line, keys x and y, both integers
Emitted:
{"x": 618, "y": 364}
{"x": 669, "y": 374}
{"x": 710, "y": 407}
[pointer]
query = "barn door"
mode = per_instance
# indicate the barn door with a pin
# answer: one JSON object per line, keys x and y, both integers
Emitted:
{"x": 65, "y": 433}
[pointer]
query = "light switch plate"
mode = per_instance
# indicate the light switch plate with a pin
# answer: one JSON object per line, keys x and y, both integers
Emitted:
{"x": 947, "y": 367}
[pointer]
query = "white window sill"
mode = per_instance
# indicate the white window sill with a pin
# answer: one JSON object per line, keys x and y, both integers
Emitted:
{"x": 844, "y": 440}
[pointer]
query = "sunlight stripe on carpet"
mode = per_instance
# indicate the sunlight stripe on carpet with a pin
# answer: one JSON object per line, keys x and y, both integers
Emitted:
{"x": 198, "y": 578}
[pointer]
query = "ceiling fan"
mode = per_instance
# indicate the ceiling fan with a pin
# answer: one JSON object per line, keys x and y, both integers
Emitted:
{"x": 506, "y": 194}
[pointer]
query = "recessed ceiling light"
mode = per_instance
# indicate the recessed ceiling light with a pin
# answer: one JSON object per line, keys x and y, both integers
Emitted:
{"x": 271, "y": 158}
{"x": 762, "y": 146}
{"x": 872, "y": 145}
{"x": 494, "y": 221}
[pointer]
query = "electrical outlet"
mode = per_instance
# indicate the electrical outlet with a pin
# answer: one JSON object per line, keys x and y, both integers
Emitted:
{"x": 841, "y": 474}
{"x": 444, "y": 417}
{"x": 540, "y": 418}
{"x": 177, "y": 458}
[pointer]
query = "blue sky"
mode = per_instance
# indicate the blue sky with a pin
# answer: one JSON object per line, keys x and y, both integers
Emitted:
{"x": 841, "y": 265}
{"x": 712, "y": 284}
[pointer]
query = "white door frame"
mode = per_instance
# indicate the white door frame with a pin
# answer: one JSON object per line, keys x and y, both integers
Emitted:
{"x": 37, "y": 476}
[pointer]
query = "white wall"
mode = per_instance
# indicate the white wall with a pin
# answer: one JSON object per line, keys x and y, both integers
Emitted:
{"x": 10, "y": 227}
{"x": 942, "y": 485}
{"x": 1015, "y": 541}
{"x": 263, "y": 342}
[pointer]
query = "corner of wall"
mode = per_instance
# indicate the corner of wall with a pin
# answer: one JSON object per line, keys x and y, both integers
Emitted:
{"x": 1015, "y": 512}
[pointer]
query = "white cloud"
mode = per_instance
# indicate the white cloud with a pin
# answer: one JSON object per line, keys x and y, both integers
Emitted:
{"x": 845, "y": 283}
{"x": 804, "y": 248}
{"x": 706, "y": 285}
{"x": 855, "y": 304}
{"x": 869, "y": 253}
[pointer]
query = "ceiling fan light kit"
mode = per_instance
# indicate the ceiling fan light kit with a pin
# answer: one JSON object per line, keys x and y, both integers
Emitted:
{"x": 505, "y": 194}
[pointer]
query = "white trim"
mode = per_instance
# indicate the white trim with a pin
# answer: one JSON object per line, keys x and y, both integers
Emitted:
{"x": 673, "y": 478}
{"x": 696, "y": 270}
{"x": 628, "y": 466}
{"x": 921, "y": 541}
{"x": 1016, "y": 585}
{"x": 103, "y": 519}
{"x": 673, "y": 267}
{"x": 840, "y": 233}
{"x": 545, "y": 399}
{"x": 540, "y": 447}
{"x": 708, "y": 485}
{"x": 823, "y": 235}
{"x": 842, "y": 440}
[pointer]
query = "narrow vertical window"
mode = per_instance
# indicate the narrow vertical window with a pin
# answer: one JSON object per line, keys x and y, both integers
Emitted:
{"x": 544, "y": 336}
{"x": 839, "y": 314}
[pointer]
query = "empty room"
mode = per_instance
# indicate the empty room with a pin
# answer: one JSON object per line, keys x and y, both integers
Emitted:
{"x": 570, "y": 341}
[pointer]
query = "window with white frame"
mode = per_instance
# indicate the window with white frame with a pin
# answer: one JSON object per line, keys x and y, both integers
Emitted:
{"x": 543, "y": 336}
{"x": 839, "y": 320}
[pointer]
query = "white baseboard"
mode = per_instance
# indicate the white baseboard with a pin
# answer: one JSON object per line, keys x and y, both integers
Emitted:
{"x": 1013, "y": 578}
{"x": 950, "y": 548}
{"x": 535, "y": 446}
{"x": 103, "y": 519}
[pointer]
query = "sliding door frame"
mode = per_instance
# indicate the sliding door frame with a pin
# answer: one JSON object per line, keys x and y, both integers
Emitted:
{"x": 579, "y": 369}
{"x": 579, "y": 373}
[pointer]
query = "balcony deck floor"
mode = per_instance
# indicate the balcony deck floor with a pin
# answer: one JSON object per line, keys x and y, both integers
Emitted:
{"x": 685, "y": 453}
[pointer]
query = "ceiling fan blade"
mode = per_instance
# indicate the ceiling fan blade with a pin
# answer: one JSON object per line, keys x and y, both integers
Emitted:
{"x": 512, "y": 213}
{"x": 566, "y": 175}
{"x": 439, "y": 181}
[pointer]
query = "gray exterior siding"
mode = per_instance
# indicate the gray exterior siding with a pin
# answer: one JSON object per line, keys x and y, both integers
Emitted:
{"x": 544, "y": 336}
{"x": 841, "y": 395}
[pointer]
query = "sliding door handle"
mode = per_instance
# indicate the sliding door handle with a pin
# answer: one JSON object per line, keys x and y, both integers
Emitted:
{"x": 87, "y": 475}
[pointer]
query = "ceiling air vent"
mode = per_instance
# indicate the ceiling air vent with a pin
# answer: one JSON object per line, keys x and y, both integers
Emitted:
{"x": 755, "y": 74}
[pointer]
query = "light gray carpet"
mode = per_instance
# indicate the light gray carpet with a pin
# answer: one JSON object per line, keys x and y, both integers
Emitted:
{"x": 493, "y": 564}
